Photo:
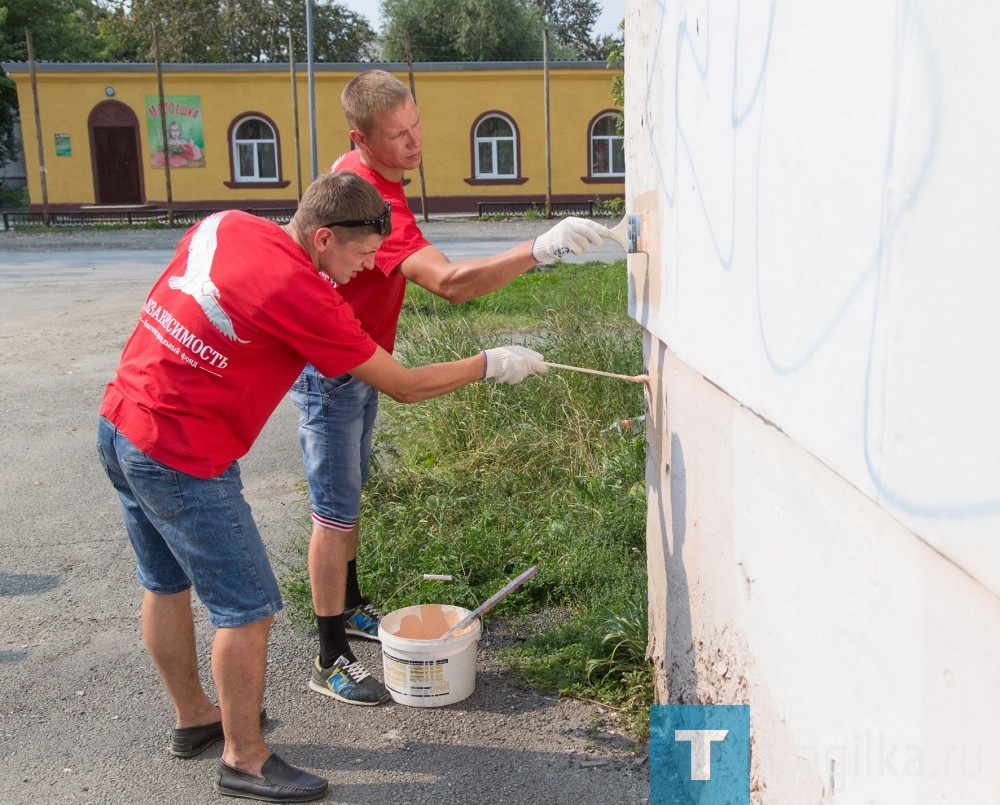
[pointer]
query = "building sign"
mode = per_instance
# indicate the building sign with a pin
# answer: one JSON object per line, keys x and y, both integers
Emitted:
{"x": 185, "y": 139}
{"x": 63, "y": 148}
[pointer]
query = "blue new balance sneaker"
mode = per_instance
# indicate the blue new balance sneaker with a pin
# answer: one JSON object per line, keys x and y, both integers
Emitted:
{"x": 348, "y": 681}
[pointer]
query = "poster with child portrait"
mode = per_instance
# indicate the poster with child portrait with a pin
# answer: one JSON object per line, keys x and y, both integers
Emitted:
{"x": 185, "y": 138}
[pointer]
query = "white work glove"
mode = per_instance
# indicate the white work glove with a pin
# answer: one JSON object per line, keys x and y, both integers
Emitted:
{"x": 513, "y": 364}
{"x": 569, "y": 236}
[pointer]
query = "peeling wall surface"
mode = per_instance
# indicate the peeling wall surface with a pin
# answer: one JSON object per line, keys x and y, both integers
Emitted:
{"x": 818, "y": 276}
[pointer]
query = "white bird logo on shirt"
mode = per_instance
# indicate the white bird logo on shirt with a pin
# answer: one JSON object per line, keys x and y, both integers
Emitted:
{"x": 195, "y": 281}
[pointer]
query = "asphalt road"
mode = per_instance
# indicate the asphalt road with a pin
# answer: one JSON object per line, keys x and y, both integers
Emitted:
{"x": 82, "y": 715}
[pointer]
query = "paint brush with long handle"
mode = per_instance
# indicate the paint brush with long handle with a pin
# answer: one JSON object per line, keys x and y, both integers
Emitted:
{"x": 629, "y": 378}
{"x": 487, "y": 605}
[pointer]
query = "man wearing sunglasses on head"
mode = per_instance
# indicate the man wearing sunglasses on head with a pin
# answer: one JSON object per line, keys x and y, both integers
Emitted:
{"x": 227, "y": 328}
{"x": 337, "y": 413}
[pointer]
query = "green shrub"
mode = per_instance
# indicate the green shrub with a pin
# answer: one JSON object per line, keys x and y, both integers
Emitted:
{"x": 14, "y": 197}
{"x": 611, "y": 208}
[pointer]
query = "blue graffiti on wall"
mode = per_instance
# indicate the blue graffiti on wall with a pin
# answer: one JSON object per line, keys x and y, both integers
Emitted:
{"x": 693, "y": 57}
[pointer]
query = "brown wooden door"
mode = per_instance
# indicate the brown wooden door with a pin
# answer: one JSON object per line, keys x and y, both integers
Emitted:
{"x": 116, "y": 159}
{"x": 114, "y": 154}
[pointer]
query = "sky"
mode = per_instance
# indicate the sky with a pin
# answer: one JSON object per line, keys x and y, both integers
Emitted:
{"x": 613, "y": 11}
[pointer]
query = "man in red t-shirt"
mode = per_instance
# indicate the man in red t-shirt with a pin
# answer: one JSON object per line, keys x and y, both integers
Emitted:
{"x": 337, "y": 412}
{"x": 241, "y": 308}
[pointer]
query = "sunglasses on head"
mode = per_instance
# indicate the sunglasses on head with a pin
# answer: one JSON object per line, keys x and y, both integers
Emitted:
{"x": 381, "y": 224}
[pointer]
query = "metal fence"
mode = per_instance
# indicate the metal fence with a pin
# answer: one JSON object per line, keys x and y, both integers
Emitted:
{"x": 185, "y": 218}
{"x": 584, "y": 208}
{"x": 22, "y": 220}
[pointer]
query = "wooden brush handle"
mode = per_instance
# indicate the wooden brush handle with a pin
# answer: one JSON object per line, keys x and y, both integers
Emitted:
{"x": 629, "y": 378}
{"x": 619, "y": 233}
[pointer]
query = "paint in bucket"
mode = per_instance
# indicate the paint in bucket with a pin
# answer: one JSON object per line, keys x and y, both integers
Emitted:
{"x": 421, "y": 669}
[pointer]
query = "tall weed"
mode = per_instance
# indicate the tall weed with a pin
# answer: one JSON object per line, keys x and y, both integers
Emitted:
{"x": 489, "y": 480}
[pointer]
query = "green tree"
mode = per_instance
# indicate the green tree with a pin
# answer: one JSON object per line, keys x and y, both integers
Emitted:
{"x": 188, "y": 31}
{"x": 243, "y": 31}
{"x": 491, "y": 30}
{"x": 487, "y": 30}
{"x": 461, "y": 30}
{"x": 61, "y": 30}
{"x": 339, "y": 34}
{"x": 616, "y": 58}
{"x": 570, "y": 24}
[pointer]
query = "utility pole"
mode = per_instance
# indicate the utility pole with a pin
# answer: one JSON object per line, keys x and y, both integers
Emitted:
{"x": 38, "y": 130}
{"x": 312, "y": 88}
{"x": 413, "y": 92}
{"x": 163, "y": 128}
{"x": 548, "y": 123}
{"x": 295, "y": 118}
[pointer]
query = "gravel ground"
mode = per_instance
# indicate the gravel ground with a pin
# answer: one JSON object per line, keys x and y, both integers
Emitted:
{"x": 83, "y": 716}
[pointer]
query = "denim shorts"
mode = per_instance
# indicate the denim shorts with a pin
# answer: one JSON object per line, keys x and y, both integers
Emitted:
{"x": 336, "y": 416}
{"x": 189, "y": 531}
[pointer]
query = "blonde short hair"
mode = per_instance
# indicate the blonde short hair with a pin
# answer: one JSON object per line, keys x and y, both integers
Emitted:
{"x": 340, "y": 196}
{"x": 370, "y": 94}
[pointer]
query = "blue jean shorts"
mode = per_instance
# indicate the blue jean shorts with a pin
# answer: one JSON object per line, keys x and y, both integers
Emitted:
{"x": 189, "y": 531}
{"x": 336, "y": 416}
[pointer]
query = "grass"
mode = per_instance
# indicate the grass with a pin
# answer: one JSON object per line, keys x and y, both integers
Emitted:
{"x": 487, "y": 481}
{"x": 599, "y": 655}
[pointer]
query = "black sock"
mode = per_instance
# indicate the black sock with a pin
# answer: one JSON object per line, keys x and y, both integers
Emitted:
{"x": 352, "y": 595}
{"x": 332, "y": 639}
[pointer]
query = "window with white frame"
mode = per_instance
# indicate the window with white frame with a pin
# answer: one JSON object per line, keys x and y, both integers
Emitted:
{"x": 495, "y": 148}
{"x": 607, "y": 148}
{"x": 255, "y": 151}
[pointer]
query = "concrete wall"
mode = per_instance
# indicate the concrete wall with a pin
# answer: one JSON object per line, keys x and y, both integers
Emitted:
{"x": 820, "y": 289}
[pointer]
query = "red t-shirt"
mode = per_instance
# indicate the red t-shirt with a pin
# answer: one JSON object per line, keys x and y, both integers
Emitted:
{"x": 223, "y": 334}
{"x": 376, "y": 297}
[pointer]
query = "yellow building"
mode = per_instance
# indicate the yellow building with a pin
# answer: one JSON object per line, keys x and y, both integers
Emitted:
{"x": 232, "y": 138}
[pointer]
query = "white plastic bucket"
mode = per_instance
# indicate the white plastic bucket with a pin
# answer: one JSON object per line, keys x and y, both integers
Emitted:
{"x": 420, "y": 669}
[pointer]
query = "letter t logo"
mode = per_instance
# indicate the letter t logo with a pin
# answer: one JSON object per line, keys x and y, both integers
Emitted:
{"x": 701, "y": 749}
{"x": 699, "y": 753}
